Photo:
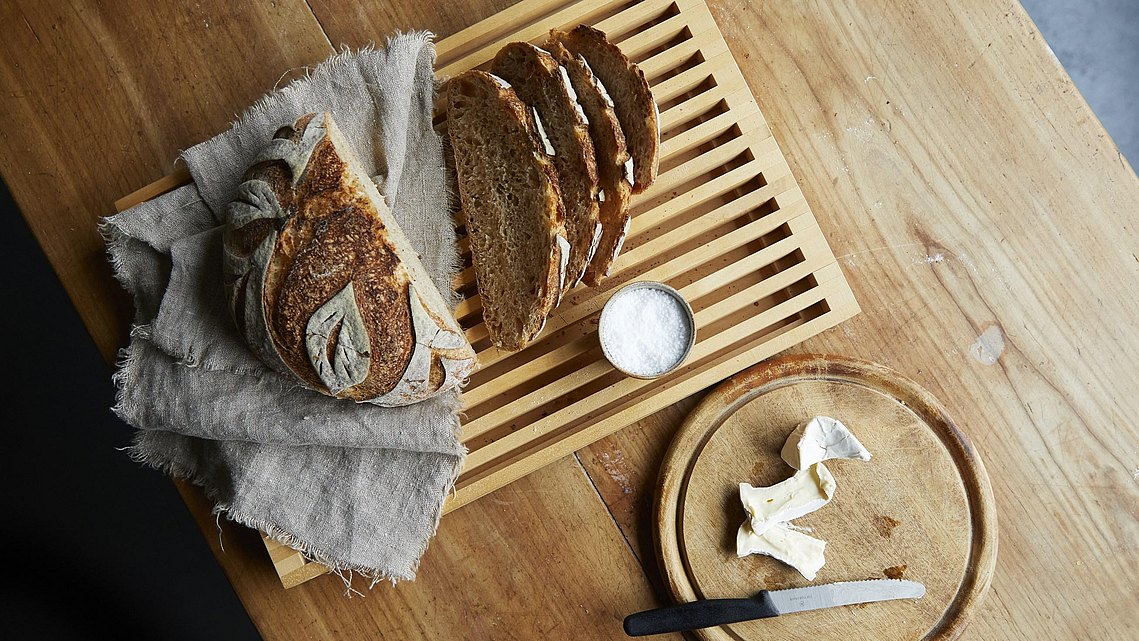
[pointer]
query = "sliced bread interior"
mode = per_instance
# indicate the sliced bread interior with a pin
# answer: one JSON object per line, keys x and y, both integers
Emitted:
{"x": 609, "y": 145}
{"x": 543, "y": 84}
{"x": 632, "y": 98}
{"x": 508, "y": 188}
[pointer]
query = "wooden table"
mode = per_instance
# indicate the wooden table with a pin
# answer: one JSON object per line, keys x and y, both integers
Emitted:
{"x": 988, "y": 225}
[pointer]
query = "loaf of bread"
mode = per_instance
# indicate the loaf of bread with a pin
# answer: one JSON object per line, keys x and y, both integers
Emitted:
{"x": 633, "y": 100}
{"x": 615, "y": 187}
{"x": 540, "y": 82}
{"x": 513, "y": 210}
{"x": 325, "y": 287}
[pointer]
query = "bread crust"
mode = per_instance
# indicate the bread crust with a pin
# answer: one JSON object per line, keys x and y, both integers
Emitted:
{"x": 635, "y": 106}
{"x": 611, "y": 153}
{"x": 320, "y": 277}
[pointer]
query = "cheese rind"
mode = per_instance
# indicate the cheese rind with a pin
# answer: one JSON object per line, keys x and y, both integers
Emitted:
{"x": 802, "y": 552}
{"x": 803, "y": 493}
{"x": 821, "y": 439}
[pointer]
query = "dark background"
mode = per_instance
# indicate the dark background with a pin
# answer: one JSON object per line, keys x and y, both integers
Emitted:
{"x": 95, "y": 546}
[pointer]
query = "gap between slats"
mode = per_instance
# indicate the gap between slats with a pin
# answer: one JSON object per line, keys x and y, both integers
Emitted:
{"x": 519, "y": 439}
{"x": 580, "y": 377}
{"x": 795, "y": 206}
{"x": 477, "y": 394}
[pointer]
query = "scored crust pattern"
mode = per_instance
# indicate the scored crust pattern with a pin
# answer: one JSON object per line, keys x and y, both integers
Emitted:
{"x": 317, "y": 279}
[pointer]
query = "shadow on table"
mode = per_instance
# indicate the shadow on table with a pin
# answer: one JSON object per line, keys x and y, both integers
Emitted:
{"x": 95, "y": 545}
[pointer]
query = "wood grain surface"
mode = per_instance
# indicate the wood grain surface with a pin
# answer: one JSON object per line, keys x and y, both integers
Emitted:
{"x": 984, "y": 218}
{"x": 921, "y": 508}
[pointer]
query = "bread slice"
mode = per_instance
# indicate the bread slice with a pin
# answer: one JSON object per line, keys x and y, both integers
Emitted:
{"x": 324, "y": 285}
{"x": 636, "y": 109}
{"x": 508, "y": 188}
{"x": 609, "y": 145}
{"x": 542, "y": 83}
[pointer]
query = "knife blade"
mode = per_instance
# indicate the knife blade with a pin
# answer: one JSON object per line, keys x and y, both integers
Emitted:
{"x": 768, "y": 603}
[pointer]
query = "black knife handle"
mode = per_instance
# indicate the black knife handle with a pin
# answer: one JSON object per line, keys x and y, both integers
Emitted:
{"x": 699, "y": 614}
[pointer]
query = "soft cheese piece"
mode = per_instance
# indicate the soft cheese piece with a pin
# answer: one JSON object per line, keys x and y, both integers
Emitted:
{"x": 802, "y": 552}
{"x": 820, "y": 439}
{"x": 803, "y": 493}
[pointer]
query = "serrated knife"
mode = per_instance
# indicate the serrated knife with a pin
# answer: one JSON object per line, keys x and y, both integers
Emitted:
{"x": 768, "y": 603}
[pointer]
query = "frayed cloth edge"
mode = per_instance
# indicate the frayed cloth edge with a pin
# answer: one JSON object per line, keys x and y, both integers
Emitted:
{"x": 340, "y": 59}
{"x": 314, "y": 553}
{"x": 115, "y": 238}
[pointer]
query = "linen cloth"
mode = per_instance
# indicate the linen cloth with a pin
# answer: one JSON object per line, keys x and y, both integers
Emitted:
{"x": 354, "y": 486}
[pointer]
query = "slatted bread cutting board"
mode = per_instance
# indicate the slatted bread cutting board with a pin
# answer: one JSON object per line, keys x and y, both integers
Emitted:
{"x": 725, "y": 224}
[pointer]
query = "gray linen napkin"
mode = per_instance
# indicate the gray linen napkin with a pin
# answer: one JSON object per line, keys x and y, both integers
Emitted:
{"x": 356, "y": 487}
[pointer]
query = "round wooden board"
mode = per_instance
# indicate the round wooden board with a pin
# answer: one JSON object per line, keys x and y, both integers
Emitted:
{"x": 922, "y": 508}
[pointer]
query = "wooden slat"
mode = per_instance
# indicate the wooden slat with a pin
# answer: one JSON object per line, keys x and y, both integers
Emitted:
{"x": 167, "y": 183}
{"x": 698, "y": 256}
{"x": 581, "y": 376}
{"x": 730, "y": 272}
{"x": 763, "y": 347}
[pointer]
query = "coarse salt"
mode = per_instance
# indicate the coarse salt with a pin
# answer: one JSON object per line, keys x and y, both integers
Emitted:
{"x": 645, "y": 331}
